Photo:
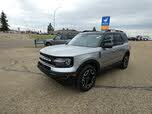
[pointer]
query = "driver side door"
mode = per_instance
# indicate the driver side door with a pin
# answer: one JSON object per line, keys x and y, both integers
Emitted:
{"x": 107, "y": 54}
{"x": 59, "y": 40}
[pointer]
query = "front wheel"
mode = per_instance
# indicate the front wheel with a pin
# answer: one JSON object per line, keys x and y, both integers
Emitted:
{"x": 48, "y": 44}
{"x": 86, "y": 78}
{"x": 124, "y": 62}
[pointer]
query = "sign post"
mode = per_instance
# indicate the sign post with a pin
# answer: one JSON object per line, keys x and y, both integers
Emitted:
{"x": 105, "y": 22}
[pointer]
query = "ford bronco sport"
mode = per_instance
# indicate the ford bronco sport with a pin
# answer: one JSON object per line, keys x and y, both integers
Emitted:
{"x": 85, "y": 55}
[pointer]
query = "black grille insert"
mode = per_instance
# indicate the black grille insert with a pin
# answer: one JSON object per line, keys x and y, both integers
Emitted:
{"x": 47, "y": 57}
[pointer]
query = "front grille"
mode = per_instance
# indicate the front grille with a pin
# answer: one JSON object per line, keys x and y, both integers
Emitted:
{"x": 47, "y": 58}
{"x": 45, "y": 55}
{"x": 48, "y": 62}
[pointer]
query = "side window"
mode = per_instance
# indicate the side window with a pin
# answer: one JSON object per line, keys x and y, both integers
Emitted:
{"x": 117, "y": 40}
{"x": 63, "y": 37}
{"x": 70, "y": 37}
{"x": 125, "y": 37}
{"x": 108, "y": 38}
{"x": 67, "y": 37}
{"x": 58, "y": 37}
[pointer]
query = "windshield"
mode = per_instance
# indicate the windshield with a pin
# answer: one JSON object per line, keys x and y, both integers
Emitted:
{"x": 86, "y": 40}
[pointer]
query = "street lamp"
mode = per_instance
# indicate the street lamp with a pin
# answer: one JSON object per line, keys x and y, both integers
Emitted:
{"x": 55, "y": 15}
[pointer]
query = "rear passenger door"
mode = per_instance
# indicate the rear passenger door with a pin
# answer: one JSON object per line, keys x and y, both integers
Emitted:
{"x": 118, "y": 46}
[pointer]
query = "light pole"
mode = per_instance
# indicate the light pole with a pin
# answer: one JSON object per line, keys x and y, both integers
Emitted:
{"x": 55, "y": 15}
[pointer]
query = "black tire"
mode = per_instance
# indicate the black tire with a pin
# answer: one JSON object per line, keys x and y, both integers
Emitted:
{"x": 48, "y": 44}
{"x": 124, "y": 62}
{"x": 86, "y": 78}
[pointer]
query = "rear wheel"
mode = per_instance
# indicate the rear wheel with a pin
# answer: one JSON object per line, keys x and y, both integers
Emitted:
{"x": 86, "y": 78}
{"x": 124, "y": 62}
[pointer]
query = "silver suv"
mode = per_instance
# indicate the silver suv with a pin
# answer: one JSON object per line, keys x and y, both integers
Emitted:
{"x": 84, "y": 56}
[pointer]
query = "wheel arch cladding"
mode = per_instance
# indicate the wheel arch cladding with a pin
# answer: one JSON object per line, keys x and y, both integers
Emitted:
{"x": 127, "y": 53}
{"x": 90, "y": 62}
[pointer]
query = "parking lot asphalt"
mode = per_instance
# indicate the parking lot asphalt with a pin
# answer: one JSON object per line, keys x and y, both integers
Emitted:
{"x": 16, "y": 43}
{"x": 24, "y": 89}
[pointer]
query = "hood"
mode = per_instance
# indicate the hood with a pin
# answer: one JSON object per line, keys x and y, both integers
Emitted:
{"x": 67, "y": 50}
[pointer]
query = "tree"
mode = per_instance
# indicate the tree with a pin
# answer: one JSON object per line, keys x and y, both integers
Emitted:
{"x": 50, "y": 28}
{"x": 94, "y": 29}
{"x": 4, "y": 22}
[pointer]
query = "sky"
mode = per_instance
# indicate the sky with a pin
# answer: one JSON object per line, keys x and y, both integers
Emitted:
{"x": 132, "y": 16}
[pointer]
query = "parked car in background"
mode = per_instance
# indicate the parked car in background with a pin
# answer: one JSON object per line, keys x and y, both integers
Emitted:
{"x": 146, "y": 37}
{"x": 150, "y": 38}
{"x": 59, "y": 39}
{"x": 132, "y": 38}
{"x": 143, "y": 38}
{"x": 139, "y": 37}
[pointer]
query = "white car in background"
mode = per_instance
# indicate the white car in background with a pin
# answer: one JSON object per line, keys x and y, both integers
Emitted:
{"x": 143, "y": 38}
{"x": 146, "y": 37}
{"x": 150, "y": 38}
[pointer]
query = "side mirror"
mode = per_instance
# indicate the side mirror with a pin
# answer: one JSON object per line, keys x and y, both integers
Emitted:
{"x": 107, "y": 45}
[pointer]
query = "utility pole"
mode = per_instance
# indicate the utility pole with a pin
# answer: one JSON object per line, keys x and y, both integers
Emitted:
{"x": 55, "y": 15}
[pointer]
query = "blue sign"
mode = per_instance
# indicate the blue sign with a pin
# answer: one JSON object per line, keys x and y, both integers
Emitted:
{"x": 105, "y": 21}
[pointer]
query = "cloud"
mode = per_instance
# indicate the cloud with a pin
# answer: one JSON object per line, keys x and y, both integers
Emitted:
{"x": 122, "y": 13}
{"x": 78, "y": 14}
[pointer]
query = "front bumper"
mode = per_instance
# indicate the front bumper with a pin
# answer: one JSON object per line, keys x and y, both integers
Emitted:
{"x": 47, "y": 70}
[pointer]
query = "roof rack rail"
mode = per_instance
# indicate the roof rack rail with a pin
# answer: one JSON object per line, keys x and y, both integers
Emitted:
{"x": 113, "y": 30}
{"x": 88, "y": 31}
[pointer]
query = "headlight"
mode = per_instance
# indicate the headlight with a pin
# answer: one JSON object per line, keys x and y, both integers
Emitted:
{"x": 63, "y": 62}
{"x": 68, "y": 61}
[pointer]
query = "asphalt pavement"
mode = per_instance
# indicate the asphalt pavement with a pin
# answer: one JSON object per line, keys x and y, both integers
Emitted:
{"x": 26, "y": 90}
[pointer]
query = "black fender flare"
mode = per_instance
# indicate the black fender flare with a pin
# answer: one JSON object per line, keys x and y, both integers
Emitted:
{"x": 127, "y": 53}
{"x": 90, "y": 62}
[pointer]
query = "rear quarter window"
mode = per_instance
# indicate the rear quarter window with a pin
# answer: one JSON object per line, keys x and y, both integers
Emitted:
{"x": 125, "y": 38}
